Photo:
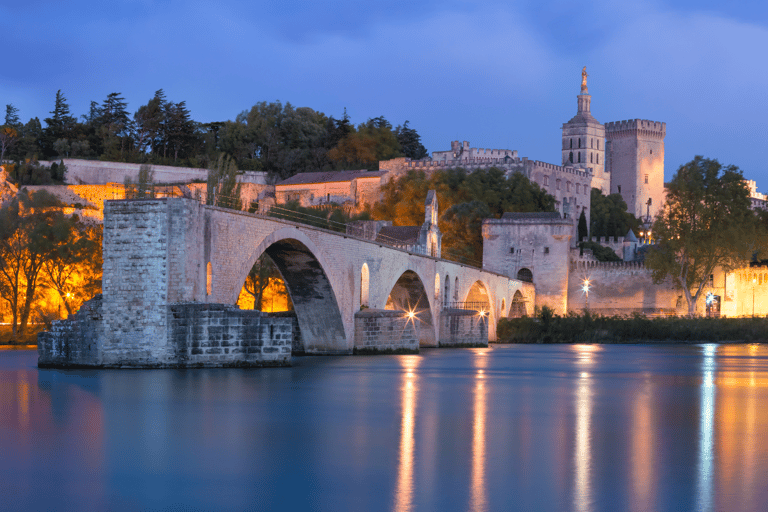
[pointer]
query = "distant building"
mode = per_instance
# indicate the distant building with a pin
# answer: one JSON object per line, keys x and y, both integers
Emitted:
{"x": 358, "y": 188}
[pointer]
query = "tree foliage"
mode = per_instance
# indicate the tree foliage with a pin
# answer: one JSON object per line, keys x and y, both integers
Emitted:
{"x": 609, "y": 216}
{"x": 30, "y": 226}
{"x": 706, "y": 223}
{"x": 464, "y": 199}
{"x": 222, "y": 188}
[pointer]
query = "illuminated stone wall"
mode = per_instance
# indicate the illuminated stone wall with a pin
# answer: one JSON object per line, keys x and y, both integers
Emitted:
{"x": 463, "y": 328}
{"x": 385, "y": 331}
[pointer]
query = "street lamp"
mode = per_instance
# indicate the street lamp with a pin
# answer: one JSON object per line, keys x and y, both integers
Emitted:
{"x": 585, "y": 288}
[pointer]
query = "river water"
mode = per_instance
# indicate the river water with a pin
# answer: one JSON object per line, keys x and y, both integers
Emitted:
{"x": 520, "y": 427}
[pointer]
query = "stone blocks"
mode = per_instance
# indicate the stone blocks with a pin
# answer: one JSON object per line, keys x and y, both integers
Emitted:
{"x": 463, "y": 328}
{"x": 385, "y": 331}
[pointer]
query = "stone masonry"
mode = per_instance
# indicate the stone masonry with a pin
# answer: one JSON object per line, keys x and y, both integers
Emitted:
{"x": 385, "y": 331}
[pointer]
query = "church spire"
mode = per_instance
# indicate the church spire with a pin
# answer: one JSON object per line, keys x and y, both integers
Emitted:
{"x": 584, "y": 99}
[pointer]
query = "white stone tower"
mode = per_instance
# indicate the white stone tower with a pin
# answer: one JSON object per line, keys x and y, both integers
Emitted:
{"x": 584, "y": 140}
{"x": 635, "y": 162}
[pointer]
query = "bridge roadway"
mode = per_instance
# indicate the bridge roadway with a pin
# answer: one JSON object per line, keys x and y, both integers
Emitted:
{"x": 173, "y": 250}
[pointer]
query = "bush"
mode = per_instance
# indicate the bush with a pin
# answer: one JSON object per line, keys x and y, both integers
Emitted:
{"x": 587, "y": 328}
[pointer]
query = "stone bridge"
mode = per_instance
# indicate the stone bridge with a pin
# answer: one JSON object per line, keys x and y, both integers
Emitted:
{"x": 348, "y": 293}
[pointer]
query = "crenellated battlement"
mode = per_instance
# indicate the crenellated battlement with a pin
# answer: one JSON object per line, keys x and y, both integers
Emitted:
{"x": 633, "y": 126}
{"x": 606, "y": 265}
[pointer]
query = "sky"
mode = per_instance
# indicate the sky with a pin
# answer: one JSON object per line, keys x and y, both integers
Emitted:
{"x": 499, "y": 74}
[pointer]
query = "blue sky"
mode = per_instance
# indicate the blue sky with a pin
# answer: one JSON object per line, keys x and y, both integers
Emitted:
{"x": 499, "y": 74}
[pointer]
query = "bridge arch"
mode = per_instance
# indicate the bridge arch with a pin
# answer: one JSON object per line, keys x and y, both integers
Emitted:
{"x": 408, "y": 293}
{"x": 303, "y": 269}
{"x": 480, "y": 299}
{"x": 517, "y": 308}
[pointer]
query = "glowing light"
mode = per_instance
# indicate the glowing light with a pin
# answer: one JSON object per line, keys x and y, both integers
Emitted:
{"x": 411, "y": 314}
{"x": 482, "y": 313}
{"x": 585, "y": 288}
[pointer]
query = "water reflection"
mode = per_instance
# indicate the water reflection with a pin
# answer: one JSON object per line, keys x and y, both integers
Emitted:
{"x": 478, "y": 499}
{"x": 582, "y": 454}
{"x": 706, "y": 429}
{"x": 409, "y": 391}
{"x": 643, "y": 446}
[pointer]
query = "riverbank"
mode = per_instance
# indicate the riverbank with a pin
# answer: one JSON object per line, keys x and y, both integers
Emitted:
{"x": 29, "y": 338}
{"x": 546, "y": 327}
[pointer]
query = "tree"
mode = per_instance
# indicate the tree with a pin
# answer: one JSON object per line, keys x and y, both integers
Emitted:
{"x": 73, "y": 268}
{"x": 60, "y": 124}
{"x": 706, "y": 223}
{"x": 29, "y": 226}
{"x": 263, "y": 274}
{"x": 410, "y": 142}
{"x": 8, "y": 138}
{"x": 222, "y": 188}
{"x": 114, "y": 126}
{"x": 609, "y": 216}
{"x": 12, "y": 116}
{"x": 583, "y": 231}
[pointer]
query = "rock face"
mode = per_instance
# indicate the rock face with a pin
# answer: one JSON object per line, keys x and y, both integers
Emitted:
{"x": 7, "y": 189}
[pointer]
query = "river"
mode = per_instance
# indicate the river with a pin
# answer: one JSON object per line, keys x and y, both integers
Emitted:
{"x": 512, "y": 427}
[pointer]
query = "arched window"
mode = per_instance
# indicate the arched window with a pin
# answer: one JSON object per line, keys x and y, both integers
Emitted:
{"x": 437, "y": 286}
{"x": 578, "y": 188}
{"x": 456, "y": 289}
{"x": 364, "y": 285}
{"x": 546, "y": 181}
{"x": 208, "y": 279}
{"x": 525, "y": 274}
{"x": 447, "y": 296}
{"x": 517, "y": 309}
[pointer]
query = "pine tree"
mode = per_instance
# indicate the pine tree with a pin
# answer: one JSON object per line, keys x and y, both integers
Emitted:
{"x": 12, "y": 116}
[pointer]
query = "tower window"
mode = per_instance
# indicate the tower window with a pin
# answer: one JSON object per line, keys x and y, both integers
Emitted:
{"x": 571, "y": 143}
{"x": 646, "y": 179}
{"x": 546, "y": 250}
{"x": 579, "y": 142}
{"x": 598, "y": 143}
{"x": 578, "y": 188}
{"x": 546, "y": 181}
{"x": 511, "y": 250}
{"x": 590, "y": 158}
{"x": 557, "y": 185}
{"x": 570, "y": 157}
{"x": 651, "y": 151}
{"x": 619, "y": 189}
{"x": 598, "y": 158}
{"x": 579, "y": 156}
{"x": 591, "y": 143}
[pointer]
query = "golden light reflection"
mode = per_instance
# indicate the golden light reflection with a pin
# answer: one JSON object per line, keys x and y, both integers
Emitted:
{"x": 409, "y": 391}
{"x": 739, "y": 426}
{"x": 22, "y": 399}
{"x": 643, "y": 442}
{"x": 706, "y": 430}
{"x": 478, "y": 498}
{"x": 585, "y": 354}
{"x": 582, "y": 454}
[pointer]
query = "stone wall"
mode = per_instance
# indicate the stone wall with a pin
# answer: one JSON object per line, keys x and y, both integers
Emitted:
{"x": 463, "y": 328}
{"x": 385, "y": 331}
{"x": 76, "y": 341}
{"x": 199, "y": 335}
{"x": 213, "y": 335}
{"x": 620, "y": 288}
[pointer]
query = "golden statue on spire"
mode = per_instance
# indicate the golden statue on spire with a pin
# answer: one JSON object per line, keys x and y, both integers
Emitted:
{"x": 584, "y": 76}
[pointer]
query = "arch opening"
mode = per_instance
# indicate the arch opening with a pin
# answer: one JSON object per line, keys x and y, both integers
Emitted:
{"x": 525, "y": 274}
{"x": 365, "y": 277}
{"x": 478, "y": 298}
{"x": 517, "y": 308}
{"x": 410, "y": 296}
{"x": 308, "y": 293}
